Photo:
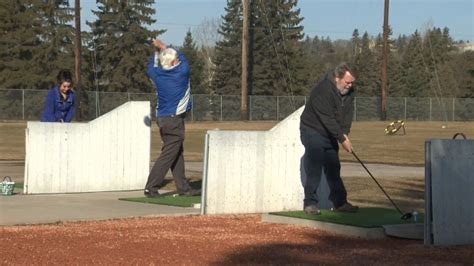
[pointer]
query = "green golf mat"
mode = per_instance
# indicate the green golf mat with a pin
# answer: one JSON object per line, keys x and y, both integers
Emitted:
{"x": 365, "y": 217}
{"x": 19, "y": 185}
{"x": 179, "y": 201}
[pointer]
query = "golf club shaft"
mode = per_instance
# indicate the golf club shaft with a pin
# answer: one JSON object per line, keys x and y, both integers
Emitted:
{"x": 376, "y": 182}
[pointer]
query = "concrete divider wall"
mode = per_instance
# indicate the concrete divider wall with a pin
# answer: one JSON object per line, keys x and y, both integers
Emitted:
{"x": 109, "y": 153}
{"x": 449, "y": 190}
{"x": 254, "y": 171}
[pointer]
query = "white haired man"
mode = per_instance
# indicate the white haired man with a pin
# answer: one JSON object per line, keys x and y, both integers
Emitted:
{"x": 169, "y": 71}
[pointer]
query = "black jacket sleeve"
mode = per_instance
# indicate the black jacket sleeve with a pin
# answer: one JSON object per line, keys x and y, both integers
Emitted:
{"x": 324, "y": 107}
{"x": 347, "y": 113}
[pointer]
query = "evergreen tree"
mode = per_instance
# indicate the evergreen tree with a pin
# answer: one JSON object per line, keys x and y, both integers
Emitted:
{"x": 56, "y": 50}
{"x": 401, "y": 43}
{"x": 313, "y": 66}
{"x": 227, "y": 59}
{"x": 415, "y": 76}
{"x": 276, "y": 65}
{"x": 122, "y": 44}
{"x": 437, "y": 45}
{"x": 195, "y": 63}
{"x": 355, "y": 43}
{"x": 278, "y": 68}
{"x": 462, "y": 67}
{"x": 366, "y": 69}
{"x": 36, "y": 42}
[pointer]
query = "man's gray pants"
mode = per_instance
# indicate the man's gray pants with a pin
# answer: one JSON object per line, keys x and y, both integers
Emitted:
{"x": 171, "y": 157}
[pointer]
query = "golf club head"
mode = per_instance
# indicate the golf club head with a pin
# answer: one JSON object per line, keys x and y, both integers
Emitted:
{"x": 407, "y": 216}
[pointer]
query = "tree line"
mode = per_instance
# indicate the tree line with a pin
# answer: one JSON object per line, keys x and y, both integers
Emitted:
{"x": 38, "y": 39}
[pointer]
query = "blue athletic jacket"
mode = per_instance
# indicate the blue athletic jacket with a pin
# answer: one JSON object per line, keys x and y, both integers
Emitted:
{"x": 172, "y": 86}
{"x": 57, "y": 110}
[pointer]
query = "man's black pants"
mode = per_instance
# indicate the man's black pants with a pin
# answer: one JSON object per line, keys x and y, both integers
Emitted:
{"x": 322, "y": 153}
{"x": 171, "y": 157}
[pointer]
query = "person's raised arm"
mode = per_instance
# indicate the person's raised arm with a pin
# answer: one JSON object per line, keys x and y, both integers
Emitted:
{"x": 152, "y": 69}
{"x": 159, "y": 45}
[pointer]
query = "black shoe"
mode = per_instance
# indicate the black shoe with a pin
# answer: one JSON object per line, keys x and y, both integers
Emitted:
{"x": 152, "y": 194}
{"x": 347, "y": 207}
{"x": 190, "y": 192}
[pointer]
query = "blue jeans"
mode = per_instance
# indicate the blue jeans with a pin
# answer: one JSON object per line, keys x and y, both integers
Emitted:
{"x": 322, "y": 153}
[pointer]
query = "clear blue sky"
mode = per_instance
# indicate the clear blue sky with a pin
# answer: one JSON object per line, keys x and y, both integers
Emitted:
{"x": 334, "y": 18}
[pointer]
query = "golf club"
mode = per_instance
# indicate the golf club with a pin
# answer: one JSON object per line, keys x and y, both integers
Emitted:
{"x": 405, "y": 216}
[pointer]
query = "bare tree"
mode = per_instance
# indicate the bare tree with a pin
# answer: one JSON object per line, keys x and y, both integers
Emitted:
{"x": 206, "y": 36}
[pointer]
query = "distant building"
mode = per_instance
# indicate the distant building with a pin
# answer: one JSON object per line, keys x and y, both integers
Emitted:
{"x": 464, "y": 47}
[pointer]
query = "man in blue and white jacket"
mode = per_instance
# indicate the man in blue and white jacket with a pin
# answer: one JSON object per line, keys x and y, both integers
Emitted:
{"x": 169, "y": 70}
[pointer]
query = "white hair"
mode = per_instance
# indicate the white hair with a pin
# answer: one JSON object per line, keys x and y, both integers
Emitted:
{"x": 166, "y": 57}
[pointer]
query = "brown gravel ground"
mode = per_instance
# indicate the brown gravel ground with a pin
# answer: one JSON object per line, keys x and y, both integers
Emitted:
{"x": 218, "y": 240}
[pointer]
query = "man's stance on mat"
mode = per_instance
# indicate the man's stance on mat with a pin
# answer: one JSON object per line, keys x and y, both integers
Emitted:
{"x": 169, "y": 70}
{"x": 325, "y": 121}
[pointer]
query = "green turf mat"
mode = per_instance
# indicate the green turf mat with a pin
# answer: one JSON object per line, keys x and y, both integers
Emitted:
{"x": 179, "y": 201}
{"x": 365, "y": 217}
{"x": 18, "y": 185}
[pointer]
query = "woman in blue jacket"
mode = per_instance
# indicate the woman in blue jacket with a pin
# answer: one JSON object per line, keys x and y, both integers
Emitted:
{"x": 60, "y": 104}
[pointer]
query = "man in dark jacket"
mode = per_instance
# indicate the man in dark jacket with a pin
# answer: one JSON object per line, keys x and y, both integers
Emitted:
{"x": 325, "y": 122}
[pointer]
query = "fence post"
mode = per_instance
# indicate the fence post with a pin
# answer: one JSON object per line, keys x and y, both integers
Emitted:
{"x": 250, "y": 107}
{"x": 128, "y": 96}
{"x": 405, "y": 111}
{"x": 23, "y": 104}
{"x": 454, "y": 100}
{"x": 430, "y": 108}
{"x": 355, "y": 108}
{"x": 96, "y": 104}
{"x": 192, "y": 107}
{"x": 221, "y": 109}
{"x": 278, "y": 109}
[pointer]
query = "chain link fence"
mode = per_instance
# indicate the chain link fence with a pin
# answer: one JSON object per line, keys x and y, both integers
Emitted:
{"x": 28, "y": 105}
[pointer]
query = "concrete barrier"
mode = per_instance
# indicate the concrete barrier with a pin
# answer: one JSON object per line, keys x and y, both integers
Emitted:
{"x": 449, "y": 190}
{"x": 110, "y": 153}
{"x": 255, "y": 171}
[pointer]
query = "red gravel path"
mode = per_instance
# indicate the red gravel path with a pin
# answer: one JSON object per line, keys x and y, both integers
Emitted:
{"x": 231, "y": 239}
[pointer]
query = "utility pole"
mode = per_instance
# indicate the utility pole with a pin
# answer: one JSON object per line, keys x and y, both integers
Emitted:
{"x": 245, "y": 47}
{"x": 383, "y": 111}
{"x": 77, "y": 65}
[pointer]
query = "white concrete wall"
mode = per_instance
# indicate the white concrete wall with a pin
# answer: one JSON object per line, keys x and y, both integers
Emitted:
{"x": 449, "y": 192}
{"x": 109, "y": 153}
{"x": 255, "y": 171}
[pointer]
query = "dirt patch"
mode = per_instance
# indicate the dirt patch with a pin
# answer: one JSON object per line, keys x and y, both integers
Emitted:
{"x": 220, "y": 240}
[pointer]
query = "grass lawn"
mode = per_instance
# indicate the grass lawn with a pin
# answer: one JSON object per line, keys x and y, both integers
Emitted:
{"x": 407, "y": 193}
{"x": 368, "y": 138}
